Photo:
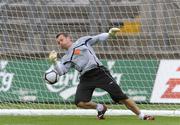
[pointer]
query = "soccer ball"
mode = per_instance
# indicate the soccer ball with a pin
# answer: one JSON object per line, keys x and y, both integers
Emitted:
{"x": 51, "y": 76}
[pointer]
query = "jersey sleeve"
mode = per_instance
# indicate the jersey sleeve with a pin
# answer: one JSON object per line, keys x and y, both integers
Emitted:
{"x": 98, "y": 38}
{"x": 63, "y": 66}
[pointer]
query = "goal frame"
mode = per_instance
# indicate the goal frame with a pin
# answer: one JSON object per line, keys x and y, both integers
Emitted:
{"x": 83, "y": 112}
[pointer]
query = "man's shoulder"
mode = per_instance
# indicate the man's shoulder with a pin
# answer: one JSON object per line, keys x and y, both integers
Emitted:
{"x": 66, "y": 57}
{"x": 82, "y": 40}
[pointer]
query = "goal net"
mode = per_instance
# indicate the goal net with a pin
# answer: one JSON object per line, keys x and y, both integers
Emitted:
{"x": 144, "y": 57}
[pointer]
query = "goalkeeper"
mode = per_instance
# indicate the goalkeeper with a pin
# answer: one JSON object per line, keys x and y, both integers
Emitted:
{"x": 93, "y": 74}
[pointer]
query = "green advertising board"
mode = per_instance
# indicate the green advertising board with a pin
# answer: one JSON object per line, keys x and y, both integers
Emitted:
{"x": 22, "y": 81}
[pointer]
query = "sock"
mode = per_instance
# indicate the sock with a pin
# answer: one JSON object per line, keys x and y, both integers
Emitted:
{"x": 141, "y": 115}
{"x": 99, "y": 107}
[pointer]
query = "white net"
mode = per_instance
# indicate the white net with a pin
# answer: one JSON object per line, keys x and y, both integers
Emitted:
{"x": 143, "y": 58}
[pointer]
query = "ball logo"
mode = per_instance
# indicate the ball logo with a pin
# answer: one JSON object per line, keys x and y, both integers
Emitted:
{"x": 67, "y": 84}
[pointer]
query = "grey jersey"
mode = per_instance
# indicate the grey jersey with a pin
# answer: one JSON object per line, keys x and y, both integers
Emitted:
{"x": 81, "y": 55}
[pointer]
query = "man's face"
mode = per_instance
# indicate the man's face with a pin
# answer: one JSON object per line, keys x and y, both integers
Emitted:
{"x": 63, "y": 41}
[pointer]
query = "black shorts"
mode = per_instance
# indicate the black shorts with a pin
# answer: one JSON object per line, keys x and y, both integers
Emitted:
{"x": 98, "y": 78}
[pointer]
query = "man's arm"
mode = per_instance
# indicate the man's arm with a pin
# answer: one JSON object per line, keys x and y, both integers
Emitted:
{"x": 103, "y": 36}
{"x": 60, "y": 67}
{"x": 99, "y": 38}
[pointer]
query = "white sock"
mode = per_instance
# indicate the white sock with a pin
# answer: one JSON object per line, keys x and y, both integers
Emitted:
{"x": 99, "y": 107}
{"x": 141, "y": 115}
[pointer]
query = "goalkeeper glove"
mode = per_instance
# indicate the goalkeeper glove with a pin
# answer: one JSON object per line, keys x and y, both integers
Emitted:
{"x": 53, "y": 56}
{"x": 113, "y": 31}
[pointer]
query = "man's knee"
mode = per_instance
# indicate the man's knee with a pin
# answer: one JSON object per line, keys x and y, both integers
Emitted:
{"x": 120, "y": 100}
{"x": 126, "y": 101}
{"x": 80, "y": 104}
{"x": 123, "y": 101}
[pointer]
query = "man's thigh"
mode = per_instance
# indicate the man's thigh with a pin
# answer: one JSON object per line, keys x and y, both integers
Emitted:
{"x": 114, "y": 90}
{"x": 84, "y": 93}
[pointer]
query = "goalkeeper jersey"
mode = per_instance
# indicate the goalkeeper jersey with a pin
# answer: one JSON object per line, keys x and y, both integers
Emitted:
{"x": 81, "y": 55}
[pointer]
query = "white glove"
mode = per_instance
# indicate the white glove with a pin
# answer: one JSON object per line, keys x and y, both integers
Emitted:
{"x": 53, "y": 56}
{"x": 113, "y": 31}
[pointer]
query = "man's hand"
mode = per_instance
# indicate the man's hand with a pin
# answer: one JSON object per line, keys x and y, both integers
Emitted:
{"x": 53, "y": 56}
{"x": 113, "y": 31}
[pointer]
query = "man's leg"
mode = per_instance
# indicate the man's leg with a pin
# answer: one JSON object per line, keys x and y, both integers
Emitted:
{"x": 92, "y": 105}
{"x": 87, "y": 105}
{"x": 83, "y": 97}
{"x": 131, "y": 105}
{"x": 118, "y": 96}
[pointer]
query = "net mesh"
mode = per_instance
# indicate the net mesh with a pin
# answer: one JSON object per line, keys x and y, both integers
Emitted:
{"x": 149, "y": 34}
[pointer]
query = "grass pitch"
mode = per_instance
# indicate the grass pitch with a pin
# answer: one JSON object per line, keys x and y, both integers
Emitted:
{"x": 85, "y": 120}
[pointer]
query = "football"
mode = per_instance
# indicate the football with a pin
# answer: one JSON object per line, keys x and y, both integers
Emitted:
{"x": 51, "y": 76}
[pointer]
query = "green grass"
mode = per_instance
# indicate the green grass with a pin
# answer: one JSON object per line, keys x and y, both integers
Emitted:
{"x": 85, "y": 120}
{"x": 73, "y": 106}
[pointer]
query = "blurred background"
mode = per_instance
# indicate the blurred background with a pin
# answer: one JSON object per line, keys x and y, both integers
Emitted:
{"x": 148, "y": 27}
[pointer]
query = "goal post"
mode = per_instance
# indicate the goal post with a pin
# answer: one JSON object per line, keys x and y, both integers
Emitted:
{"x": 143, "y": 57}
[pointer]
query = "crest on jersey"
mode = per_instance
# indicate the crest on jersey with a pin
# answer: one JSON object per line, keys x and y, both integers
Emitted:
{"x": 77, "y": 52}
